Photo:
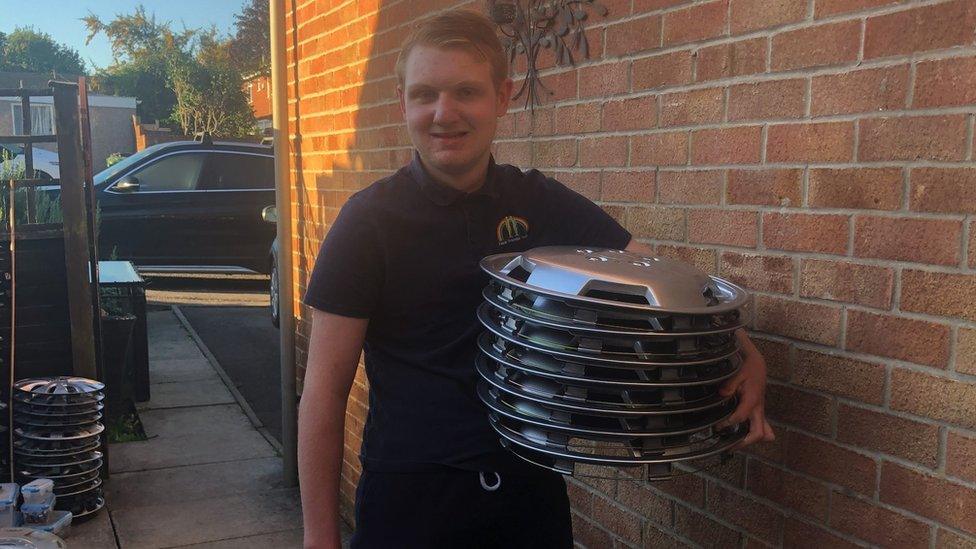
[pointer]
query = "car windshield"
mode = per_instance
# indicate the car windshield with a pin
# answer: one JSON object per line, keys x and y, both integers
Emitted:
{"x": 123, "y": 165}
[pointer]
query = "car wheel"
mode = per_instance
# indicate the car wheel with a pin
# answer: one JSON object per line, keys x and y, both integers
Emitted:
{"x": 273, "y": 293}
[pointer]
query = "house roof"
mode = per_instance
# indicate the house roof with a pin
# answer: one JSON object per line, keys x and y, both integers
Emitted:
{"x": 40, "y": 80}
{"x": 33, "y": 79}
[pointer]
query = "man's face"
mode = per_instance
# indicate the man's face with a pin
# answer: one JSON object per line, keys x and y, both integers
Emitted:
{"x": 451, "y": 107}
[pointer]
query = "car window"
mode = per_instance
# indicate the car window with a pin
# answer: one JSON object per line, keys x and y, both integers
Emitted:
{"x": 125, "y": 163}
{"x": 229, "y": 171}
{"x": 179, "y": 172}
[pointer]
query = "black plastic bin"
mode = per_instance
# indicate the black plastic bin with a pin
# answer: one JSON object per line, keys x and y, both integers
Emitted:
{"x": 118, "y": 374}
{"x": 123, "y": 292}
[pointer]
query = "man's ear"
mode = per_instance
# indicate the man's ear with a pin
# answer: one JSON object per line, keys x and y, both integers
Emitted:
{"x": 505, "y": 96}
{"x": 402, "y": 100}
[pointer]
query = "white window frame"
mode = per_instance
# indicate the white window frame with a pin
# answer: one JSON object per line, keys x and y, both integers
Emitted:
{"x": 18, "y": 108}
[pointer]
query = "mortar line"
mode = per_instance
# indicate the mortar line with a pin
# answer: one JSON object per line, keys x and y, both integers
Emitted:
{"x": 851, "y": 222}
{"x": 953, "y": 343}
{"x": 886, "y": 397}
{"x": 836, "y": 489}
{"x": 943, "y": 449}
{"x": 833, "y": 69}
{"x": 910, "y": 92}
{"x": 967, "y": 228}
{"x": 906, "y": 188}
{"x": 842, "y": 344}
{"x": 863, "y": 30}
{"x": 658, "y": 129}
{"x": 969, "y": 136}
{"x": 875, "y": 455}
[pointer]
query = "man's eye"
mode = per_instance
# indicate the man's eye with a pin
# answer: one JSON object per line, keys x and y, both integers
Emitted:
{"x": 468, "y": 92}
{"x": 425, "y": 96}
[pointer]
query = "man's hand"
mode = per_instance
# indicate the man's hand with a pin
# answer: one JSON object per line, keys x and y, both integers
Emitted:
{"x": 750, "y": 384}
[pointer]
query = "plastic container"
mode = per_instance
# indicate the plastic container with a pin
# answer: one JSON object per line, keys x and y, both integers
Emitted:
{"x": 37, "y": 513}
{"x": 38, "y": 491}
{"x": 8, "y": 505}
{"x": 58, "y": 524}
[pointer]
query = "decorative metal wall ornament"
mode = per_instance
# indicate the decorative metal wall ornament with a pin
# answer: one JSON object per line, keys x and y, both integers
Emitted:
{"x": 529, "y": 26}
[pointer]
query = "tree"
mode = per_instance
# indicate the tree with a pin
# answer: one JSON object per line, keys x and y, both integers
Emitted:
{"x": 210, "y": 98}
{"x": 27, "y": 50}
{"x": 146, "y": 79}
{"x": 139, "y": 35}
{"x": 142, "y": 49}
{"x": 250, "y": 48}
{"x": 185, "y": 78}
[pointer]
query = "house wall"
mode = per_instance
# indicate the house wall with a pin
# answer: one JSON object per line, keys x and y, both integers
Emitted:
{"x": 7, "y": 121}
{"x": 111, "y": 128}
{"x": 258, "y": 90}
{"x": 818, "y": 152}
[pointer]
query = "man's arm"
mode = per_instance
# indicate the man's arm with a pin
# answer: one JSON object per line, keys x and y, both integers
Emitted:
{"x": 335, "y": 343}
{"x": 749, "y": 383}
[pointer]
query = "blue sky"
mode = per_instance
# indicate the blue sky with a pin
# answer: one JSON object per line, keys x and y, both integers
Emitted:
{"x": 60, "y": 19}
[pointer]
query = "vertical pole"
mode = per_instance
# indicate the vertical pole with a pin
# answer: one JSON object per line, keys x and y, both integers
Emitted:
{"x": 279, "y": 97}
{"x": 90, "y": 213}
{"x": 91, "y": 225}
{"x": 75, "y": 224}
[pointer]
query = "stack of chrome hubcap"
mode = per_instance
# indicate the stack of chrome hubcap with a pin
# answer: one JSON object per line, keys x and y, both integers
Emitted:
{"x": 57, "y": 432}
{"x": 606, "y": 357}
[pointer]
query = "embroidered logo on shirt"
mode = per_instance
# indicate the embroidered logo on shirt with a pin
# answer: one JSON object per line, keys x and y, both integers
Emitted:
{"x": 512, "y": 229}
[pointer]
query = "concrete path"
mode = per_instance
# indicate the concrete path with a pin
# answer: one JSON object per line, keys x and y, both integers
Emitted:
{"x": 205, "y": 478}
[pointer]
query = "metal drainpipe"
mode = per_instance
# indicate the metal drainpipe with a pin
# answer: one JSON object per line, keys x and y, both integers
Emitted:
{"x": 279, "y": 97}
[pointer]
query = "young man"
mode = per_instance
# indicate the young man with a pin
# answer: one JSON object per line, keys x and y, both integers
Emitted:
{"x": 398, "y": 277}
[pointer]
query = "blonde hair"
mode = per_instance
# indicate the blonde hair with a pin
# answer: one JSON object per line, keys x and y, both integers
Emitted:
{"x": 462, "y": 29}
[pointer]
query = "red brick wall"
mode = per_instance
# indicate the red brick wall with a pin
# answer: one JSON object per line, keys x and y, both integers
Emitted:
{"x": 819, "y": 152}
{"x": 258, "y": 90}
{"x": 153, "y": 134}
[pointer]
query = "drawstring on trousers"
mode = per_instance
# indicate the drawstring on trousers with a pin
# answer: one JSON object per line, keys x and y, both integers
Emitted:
{"x": 488, "y": 487}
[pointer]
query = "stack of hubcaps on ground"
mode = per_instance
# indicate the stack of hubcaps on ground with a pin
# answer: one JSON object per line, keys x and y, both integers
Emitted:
{"x": 4, "y": 446}
{"x": 56, "y": 436}
{"x": 606, "y": 357}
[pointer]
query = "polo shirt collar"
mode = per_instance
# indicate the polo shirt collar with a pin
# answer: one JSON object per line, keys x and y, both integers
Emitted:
{"x": 441, "y": 194}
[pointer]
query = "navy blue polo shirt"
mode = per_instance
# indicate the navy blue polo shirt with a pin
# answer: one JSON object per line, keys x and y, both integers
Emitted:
{"x": 404, "y": 253}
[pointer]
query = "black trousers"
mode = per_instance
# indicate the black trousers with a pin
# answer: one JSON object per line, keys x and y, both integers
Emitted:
{"x": 459, "y": 509}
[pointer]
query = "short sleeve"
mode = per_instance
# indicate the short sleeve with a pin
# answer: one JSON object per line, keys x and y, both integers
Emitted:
{"x": 348, "y": 273}
{"x": 579, "y": 222}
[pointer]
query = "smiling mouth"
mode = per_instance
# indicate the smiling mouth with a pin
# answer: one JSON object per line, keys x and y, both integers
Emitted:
{"x": 448, "y": 135}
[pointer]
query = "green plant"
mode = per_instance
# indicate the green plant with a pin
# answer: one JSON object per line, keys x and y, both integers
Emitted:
{"x": 47, "y": 205}
{"x": 47, "y": 202}
{"x": 9, "y": 169}
{"x": 125, "y": 426}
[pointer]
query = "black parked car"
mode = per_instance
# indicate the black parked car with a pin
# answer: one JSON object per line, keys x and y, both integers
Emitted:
{"x": 189, "y": 206}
